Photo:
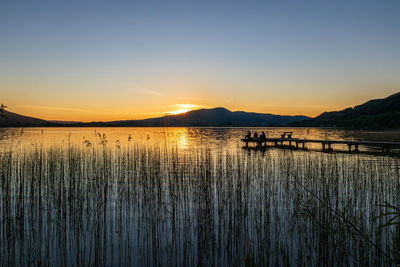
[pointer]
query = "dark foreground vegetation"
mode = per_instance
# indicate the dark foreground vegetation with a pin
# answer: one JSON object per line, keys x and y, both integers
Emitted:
{"x": 137, "y": 205}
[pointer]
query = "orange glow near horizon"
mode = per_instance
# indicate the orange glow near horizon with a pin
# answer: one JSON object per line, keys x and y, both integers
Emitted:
{"x": 123, "y": 112}
{"x": 179, "y": 111}
{"x": 183, "y": 108}
{"x": 136, "y": 106}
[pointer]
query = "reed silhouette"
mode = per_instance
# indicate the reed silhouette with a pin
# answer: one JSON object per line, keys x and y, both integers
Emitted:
{"x": 136, "y": 204}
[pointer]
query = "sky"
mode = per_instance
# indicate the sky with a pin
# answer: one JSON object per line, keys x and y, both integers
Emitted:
{"x": 111, "y": 60}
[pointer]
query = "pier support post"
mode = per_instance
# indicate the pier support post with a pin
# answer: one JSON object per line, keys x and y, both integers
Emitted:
{"x": 349, "y": 145}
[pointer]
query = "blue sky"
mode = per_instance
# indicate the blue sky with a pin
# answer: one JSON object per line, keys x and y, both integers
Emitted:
{"x": 71, "y": 59}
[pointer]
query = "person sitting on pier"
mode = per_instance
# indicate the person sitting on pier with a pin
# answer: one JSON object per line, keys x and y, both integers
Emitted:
{"x": 263, "y": 136}
{"x": 248, "y": 135}
{"x": 255, "y": 135}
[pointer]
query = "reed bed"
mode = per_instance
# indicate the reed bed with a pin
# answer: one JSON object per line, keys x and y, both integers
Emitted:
{"x": 155, "y": 205}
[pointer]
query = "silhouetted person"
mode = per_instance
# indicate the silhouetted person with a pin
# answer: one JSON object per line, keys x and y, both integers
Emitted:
{"x": 255, "y": 135}
{"x": 248, "y": 135}
{"x": 262, "y": 135}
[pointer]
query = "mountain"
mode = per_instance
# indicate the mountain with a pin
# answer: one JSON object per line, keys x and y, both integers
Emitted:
{"x": 202, "y": 117}
{"x": 214, "y": 117}
{"x": 375, "y": 114}
{"x": 16, "y": 120}
{"x": 64, "y": 122}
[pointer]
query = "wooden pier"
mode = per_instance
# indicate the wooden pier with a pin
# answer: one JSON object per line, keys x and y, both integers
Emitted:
{"x": 326, "y": 145}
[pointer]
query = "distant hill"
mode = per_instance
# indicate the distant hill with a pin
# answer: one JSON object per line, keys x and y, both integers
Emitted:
{"x": 16, "y": 120}
{"x": 64, "y": 122}
{"x": 214, "y": 117}
{"x": 374, "y": 114}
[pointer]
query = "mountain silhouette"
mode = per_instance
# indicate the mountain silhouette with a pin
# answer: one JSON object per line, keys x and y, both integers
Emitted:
{"x": 221, "y": 117}
{"x": 375, "y": 114}
{"x": 215, "y": 117}
{"x": 15, "y": 120}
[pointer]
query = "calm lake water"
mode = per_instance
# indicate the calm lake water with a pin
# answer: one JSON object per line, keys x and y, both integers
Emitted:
{"x": 182, "y": 138}
{"x": 193, "y": 197}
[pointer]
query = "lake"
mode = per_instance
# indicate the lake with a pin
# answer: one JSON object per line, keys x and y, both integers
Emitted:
{"x": 194, "y": 197}
{"x": 182, "y": 138}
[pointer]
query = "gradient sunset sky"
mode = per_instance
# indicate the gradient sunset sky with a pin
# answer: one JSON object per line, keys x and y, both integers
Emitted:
{"x": 111, "y": 60}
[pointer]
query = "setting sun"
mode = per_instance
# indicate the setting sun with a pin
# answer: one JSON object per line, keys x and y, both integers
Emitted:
{"x": 182, "y": 108}
{"x": 179, "y": 111}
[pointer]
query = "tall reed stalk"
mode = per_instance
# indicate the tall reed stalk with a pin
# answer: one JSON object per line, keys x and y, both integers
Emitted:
{"x": 150, "y": 205}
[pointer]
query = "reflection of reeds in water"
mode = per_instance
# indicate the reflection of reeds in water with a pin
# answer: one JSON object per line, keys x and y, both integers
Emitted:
{"x": 143, "y": 205}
